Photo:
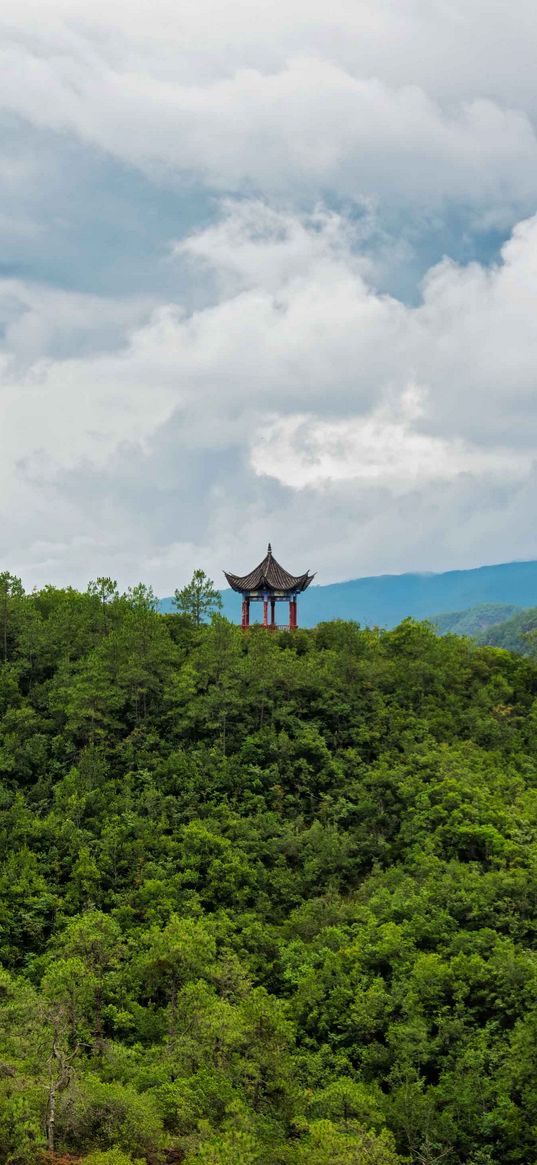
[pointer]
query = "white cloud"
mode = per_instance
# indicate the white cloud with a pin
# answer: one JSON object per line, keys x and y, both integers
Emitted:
{"x": 382, "y": 448}
{"x": 283, "y": 408}
{"x": 453, "y": 50}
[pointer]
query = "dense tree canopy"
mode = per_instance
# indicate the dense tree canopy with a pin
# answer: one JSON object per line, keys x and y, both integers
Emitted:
{"x": 265, "y": 899}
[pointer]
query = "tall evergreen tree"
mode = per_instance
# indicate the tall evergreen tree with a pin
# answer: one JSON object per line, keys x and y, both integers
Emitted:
{"x": 198, "y": 598}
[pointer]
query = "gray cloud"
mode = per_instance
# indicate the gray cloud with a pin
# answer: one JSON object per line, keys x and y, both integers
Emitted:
{"x": 310, "y": 124}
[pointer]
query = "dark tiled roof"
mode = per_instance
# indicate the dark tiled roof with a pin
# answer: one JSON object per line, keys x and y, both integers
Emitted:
{"x": 269, "y": 576}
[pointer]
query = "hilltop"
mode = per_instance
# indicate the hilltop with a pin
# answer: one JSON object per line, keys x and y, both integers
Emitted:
{"x": 385, "y": 600}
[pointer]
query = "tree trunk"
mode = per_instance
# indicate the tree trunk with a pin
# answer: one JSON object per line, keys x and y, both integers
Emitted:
{"x": 51, "y": 1116}
{"x": 58, "y": 1075}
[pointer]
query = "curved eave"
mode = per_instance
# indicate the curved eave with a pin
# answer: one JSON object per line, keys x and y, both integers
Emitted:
{"x": 234, "y": 581}
{"x": 252, "y": 582}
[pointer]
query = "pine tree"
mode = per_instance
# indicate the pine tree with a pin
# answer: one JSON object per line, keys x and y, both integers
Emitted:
{"x": 198, "y": 598}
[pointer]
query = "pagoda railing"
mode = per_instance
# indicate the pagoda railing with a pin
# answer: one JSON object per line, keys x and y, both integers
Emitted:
{"x": 271, "y": 626}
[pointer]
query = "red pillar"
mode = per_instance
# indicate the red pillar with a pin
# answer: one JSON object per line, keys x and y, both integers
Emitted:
{"x": 245, "y": 614}
{"x": 292, "y": 615}
{"x": 265, "y": 612}
{"x": 273, "y": 613}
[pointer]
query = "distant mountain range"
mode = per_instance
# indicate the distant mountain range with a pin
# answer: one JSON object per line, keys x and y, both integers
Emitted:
{"x": 385, "y": 600}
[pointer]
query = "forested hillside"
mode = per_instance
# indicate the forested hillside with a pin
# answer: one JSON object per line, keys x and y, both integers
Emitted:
{"x": 518, "y": 633}
{"x": 475, "y": 620}
{"x": 494, "y": 625}
{"x": 264, "y": 899}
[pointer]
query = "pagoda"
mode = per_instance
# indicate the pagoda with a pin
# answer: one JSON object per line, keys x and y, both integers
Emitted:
{"x": 270, "y": 583}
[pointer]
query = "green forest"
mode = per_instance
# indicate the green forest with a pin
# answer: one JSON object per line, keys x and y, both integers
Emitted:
{"x": 265, "y": 898}
{"x": 475, "y": 621}
{"x": 495, "y": 625}
{"x": 517, "y": 633}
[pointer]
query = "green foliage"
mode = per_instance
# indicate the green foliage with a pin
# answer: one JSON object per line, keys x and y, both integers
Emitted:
{"x": 109, "y": 1114}
{"x": 514, "y": 634}
{"x": 494, "y": 625}
{"x": 198, "y": 598}
{"x": 234, "y": 1148}
{"x": 111, "y": 1157}
{"x": 474, "y": 620}
{"x": 264, "y": 899}
{"x": 326, "y": 1144}
{"x": 11, "y": 591}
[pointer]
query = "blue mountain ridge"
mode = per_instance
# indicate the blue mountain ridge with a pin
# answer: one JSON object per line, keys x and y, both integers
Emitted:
{"x": 384, "y": 600}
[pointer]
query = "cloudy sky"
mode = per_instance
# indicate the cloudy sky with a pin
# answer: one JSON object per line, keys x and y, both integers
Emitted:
{"x": 268, "y": 271}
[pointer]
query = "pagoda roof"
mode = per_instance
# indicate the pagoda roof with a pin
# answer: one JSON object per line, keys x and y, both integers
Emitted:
{"x": 269, "y": 576}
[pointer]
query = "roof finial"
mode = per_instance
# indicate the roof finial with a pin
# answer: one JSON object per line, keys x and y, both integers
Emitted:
{"x": 269, "y": 551}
